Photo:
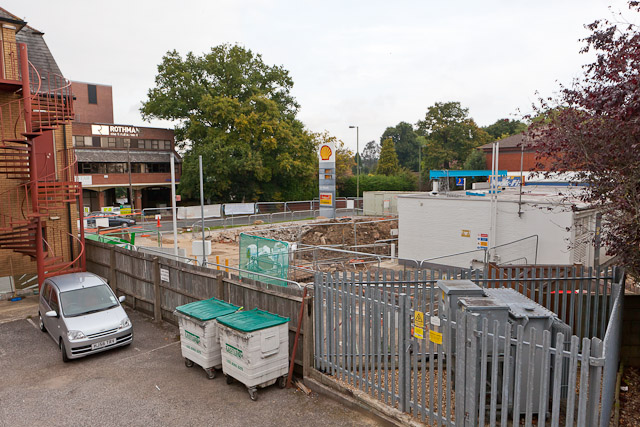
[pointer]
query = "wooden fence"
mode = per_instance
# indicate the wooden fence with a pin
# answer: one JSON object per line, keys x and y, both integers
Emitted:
{"x": 156, "y": 286}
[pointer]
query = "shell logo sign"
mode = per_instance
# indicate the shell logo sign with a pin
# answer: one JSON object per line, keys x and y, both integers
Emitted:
{"x": 327, "y": 152}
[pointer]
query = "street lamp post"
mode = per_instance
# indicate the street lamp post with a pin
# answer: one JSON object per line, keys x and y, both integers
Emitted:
{"x": 357, "y": 161}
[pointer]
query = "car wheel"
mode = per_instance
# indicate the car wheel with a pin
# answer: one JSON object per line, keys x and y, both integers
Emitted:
{"x": 65, "y": 358}
{"x": 41, "y": 323}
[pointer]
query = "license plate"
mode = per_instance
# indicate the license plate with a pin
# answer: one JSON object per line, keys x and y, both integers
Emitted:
{"x": 103, "y": 343}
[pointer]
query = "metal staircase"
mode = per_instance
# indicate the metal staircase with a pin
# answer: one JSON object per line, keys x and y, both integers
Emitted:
{"x": 30, "y": 211}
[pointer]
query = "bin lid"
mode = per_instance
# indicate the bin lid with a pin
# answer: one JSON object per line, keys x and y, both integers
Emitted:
{"x": 207, "y": 309}
{"x": 252, "y": 320}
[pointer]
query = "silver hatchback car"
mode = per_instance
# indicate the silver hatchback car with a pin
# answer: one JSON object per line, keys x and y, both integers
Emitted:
{"x": 83, "y": 315}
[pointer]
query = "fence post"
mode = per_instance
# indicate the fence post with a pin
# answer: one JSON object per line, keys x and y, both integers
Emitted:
{"x": 220, "y": 286}
{"x": 403, "y": 356}
{"x": 112, "y": 269}
{"x": 459, "y": 380}
{"x": 157, "y": 304}
{"x": 471, "y": 366}
{"x": 596, "y": 362}
{"x": 307, "y": 338}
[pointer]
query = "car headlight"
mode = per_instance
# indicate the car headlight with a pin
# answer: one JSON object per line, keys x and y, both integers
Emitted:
{"x": 125, "y": 323}
{"x": 75, "y": 335}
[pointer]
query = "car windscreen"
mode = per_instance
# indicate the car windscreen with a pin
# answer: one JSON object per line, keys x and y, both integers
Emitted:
{"x": 87, "y": 300}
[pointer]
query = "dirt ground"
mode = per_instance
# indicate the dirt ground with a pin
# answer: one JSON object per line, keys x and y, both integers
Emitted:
{"x": 630, "y": 397}
{"x": 224, "y": 242}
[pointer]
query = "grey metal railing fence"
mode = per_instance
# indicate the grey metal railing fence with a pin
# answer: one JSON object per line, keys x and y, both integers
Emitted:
{"x": 386, "y": 335}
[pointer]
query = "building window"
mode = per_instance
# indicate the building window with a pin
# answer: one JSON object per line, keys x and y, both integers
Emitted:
{"x": 78, "y": 141}
{"x": 95, "y": 141}
{"x": 158, "y": 167}
{"x": 84, "y": 167}
{"x": 93, "y": 94}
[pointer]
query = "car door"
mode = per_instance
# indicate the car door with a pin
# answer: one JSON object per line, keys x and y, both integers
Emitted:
{"x": 54, "y": 326}
{"x": 44, "y": 303}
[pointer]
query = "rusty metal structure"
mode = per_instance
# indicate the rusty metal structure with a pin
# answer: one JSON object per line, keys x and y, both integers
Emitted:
{"x": 40, "y": 200}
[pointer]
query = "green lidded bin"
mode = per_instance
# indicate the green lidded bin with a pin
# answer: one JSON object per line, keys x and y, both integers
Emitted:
{"x": 255, "y": 348}
{"x": 252, "y": 320}
{"x": 207, "y": 309}
{"x": 199, "y": 339}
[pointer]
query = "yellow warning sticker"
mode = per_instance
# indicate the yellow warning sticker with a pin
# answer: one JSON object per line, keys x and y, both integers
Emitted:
{"x": 465, "y": 233}
{"x": 418, "y": 332}
{"x": 419, "y": 319}
{"x": 435, "y": 337}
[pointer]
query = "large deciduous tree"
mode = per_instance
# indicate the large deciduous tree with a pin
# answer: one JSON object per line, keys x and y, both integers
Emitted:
{"x": 370, "y": 156}
{"x": 503, "y": 128}
{"x": 593, "y": 127}
{"x": 238, "y": 113}
{"x": 450, "y": 135}
{"x": 405, "y": 140}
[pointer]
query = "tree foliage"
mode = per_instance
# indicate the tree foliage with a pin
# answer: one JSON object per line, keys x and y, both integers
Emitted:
{"x": 475, "y": 161}
{"x": 404, "y": 181}
{"x": 405, "y": 140}
{"x": 388, "y": 163}
{"x": 369, "y": 158}
{"x": 238, "y": 113}
{"x": 503, "y": 128}
{"x": 450, "y": 135}
{"x": 594, "y": 128}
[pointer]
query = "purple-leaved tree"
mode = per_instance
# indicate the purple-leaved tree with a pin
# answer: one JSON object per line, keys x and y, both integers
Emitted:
{"x": 593, "y": 127}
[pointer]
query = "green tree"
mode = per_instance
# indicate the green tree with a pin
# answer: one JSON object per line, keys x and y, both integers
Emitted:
{"x": 388, "y": 163}
{"x": 475, "y": 161}
{"x": 238, "y": 113}
{"x": 369, "y": 159}
{"x": 405, "y": 140}
{"x": 450, "y": 135}
{"x": 503, "y": 128}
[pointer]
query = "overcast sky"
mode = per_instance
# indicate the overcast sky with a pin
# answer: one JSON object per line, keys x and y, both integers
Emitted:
{"x": 366, "y": 63}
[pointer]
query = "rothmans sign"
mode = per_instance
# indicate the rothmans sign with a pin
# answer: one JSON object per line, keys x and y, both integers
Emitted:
{"x": 114, "y": 130}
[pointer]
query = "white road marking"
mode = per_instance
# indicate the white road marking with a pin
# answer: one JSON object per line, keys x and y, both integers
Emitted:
{"x": 2, "y": 353}
{"x": 150, "y": 351}
{"x": 33, "y": 324}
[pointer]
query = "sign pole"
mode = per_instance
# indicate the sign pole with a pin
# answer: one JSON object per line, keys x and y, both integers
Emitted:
{"x": 327, "y": 179}
{"x": 204, "y": 256}
{"x": 173, "y": 206}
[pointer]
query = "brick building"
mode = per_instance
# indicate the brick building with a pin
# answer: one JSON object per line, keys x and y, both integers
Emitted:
{"x": 39, "y": 235}
{"x": 107, "y": 151}
{"x": 512, "y": 150}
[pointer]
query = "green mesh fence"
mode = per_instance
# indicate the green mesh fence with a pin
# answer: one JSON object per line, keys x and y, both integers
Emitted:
{"x": 265, "y": 256}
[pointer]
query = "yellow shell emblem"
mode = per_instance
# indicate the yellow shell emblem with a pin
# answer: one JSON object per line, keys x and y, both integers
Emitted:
{"x": 325, "y": 152}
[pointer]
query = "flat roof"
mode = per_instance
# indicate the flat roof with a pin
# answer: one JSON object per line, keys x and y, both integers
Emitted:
{"x": 544, "y": 194}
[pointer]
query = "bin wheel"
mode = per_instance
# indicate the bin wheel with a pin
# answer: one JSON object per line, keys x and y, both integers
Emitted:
{"x": 282, "y": 382}
{"x": 211, "y": 373}
{"x": 188, "y": 363}
{"x": 229, "y": 379}
{"x": 253, "y": 394}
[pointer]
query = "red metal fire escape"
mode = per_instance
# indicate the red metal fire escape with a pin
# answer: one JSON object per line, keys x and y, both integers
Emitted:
{"x": 31, "y": 211}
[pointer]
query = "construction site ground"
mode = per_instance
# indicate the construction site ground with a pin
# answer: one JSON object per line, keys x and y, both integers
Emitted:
{"x": 317, "y": 232}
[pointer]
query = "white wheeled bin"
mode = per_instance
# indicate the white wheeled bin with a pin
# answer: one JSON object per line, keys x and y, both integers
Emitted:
{"x": 255, "y": 349}
{"x": 199, "y": 334}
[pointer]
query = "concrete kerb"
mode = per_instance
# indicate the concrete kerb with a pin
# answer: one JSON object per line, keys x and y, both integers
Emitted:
{"x": 357, "y": 400}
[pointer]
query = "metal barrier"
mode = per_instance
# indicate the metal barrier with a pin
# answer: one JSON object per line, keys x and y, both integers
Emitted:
{"x": 387, "y": 336}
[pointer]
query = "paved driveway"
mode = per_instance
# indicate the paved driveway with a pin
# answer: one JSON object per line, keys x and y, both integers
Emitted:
{"x": 143, "y": 384}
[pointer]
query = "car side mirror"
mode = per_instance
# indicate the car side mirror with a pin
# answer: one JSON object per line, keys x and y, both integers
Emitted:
{"x": 121, "y": 299}
{"x": 51, "y": 313}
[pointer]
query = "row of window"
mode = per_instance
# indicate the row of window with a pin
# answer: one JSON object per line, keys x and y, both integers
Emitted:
{"x": 107, "y": 168}
{"x": 113, "y": 142}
